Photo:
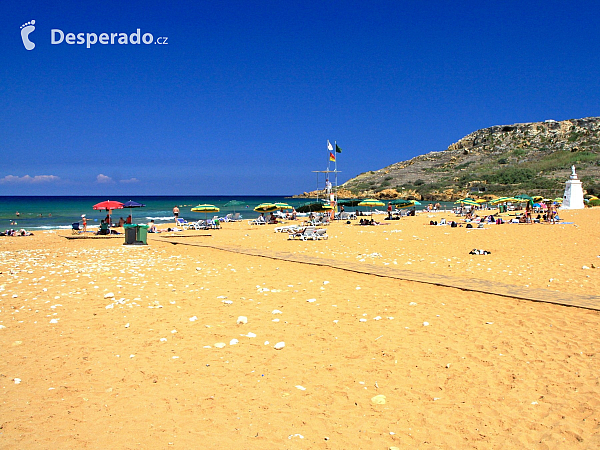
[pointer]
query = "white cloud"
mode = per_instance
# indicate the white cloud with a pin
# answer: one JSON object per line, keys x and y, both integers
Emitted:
{"x": 131, "y": 180}
{"x": 101, "y": 178}
{"x": 29, "y": 180}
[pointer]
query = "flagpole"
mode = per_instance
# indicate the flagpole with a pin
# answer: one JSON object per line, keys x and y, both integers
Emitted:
{"x": 335, "y": 165}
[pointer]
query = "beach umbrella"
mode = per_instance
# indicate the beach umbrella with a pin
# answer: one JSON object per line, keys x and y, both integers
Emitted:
{"x": 234, "y": 203}
{"x": 401, "y": 202}
{"x": 524, "y": 198}
{"x": 349, "y": 202}
{"x": 108, "y": 205}
{"x": 131, "y": 204}
{"x": 314, "y": 207}
{"x": 415, "y": 202}
{"x": 371, "y": 203}
{"x": 467, "y": 201}
{"x": 558, "y": 200}
{"x": 281, "y": 206}
{"x": 266, "y": 207}
{"x": 537, "y": 198}
{"x": 205, "y": 209}
{"x": 504, "y": 200}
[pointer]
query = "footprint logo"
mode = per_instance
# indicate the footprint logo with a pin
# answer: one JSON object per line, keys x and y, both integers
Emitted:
{"x": 26, "y": 30}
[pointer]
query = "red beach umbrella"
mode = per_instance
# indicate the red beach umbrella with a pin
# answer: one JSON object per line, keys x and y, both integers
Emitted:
{"x": 108, "y": 205}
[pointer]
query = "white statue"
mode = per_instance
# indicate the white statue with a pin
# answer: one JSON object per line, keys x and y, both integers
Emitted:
{"x": 573, "y": 197}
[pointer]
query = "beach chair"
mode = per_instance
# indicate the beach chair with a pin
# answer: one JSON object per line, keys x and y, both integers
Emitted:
{"x": 321, "y": 233}
{"x": 288, "y": 229}
{"x": 301, "y": 232}
{"x": 257, "y": 222}
{"x": 237, "y": 217}
{"x": 309, "y": 233}
{"x": 182, "y": 223}
{"x": 75, "y": 228}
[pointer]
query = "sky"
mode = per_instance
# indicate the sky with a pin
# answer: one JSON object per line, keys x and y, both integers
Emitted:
{"x": 241, "y": 97}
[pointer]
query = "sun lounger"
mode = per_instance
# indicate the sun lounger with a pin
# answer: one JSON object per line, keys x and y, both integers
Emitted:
{"x": 182, "y": 223}
{"x": 257, "y": 222}
{"x": 288, "y": 229}
{"x": 309, "y": 233}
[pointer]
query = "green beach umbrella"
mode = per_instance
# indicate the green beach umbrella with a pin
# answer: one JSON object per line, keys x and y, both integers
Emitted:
{"x": 314, "y": 207}
{"x": 349, "y": 202}
{"x": 401, "y": 203}
{"x": 234, "y": 203}
{"x": 281, "y": 206}
{"x": 524, "y": 198}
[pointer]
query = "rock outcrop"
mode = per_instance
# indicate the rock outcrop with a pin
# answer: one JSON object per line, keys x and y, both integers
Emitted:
{"x": 500, "y": 160}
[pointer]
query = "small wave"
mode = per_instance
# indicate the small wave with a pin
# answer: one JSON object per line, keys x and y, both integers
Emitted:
{"x": 164, "y": 219}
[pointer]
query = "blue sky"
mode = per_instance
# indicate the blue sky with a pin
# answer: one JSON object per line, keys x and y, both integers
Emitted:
{"x": 244, "y": 96}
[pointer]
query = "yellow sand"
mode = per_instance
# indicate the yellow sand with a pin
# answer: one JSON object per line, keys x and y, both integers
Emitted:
{"x": 359, "y": 369}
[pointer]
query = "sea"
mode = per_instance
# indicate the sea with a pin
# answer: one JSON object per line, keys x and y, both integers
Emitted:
{"x": 57, "y": 212}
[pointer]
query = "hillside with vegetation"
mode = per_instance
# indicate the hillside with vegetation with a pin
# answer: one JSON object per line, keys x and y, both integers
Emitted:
{"x": 532, "y": 158}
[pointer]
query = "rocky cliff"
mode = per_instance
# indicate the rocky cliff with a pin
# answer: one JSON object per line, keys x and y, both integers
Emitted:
{"x": 532, "y": 158}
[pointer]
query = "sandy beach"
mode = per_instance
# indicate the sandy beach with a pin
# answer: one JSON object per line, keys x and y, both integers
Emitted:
{"x": 172, "y": 345}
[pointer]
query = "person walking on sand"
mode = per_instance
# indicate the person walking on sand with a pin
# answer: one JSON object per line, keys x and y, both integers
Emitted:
{"x": 389, "y": 210}
{"x": 84, "y": 220}
{"x": 176, "y": 212}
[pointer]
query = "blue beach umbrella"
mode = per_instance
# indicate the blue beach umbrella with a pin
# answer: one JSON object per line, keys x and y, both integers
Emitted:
{"x": 131, "y": 204}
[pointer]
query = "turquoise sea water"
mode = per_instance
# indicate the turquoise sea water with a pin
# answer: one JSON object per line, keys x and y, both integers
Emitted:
{"x": 61, "y": 212}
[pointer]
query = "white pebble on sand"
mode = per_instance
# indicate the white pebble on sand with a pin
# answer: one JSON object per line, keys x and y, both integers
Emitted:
{"x": 242, "y": 320}
{"x": 279, "y": 345}
{"x": 425, "y": 324}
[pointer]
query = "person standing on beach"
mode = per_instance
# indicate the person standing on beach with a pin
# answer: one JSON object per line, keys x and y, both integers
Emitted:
{"x": 389, "y": 210}
{"x": 176, "y": 212}
{"x": 84, "y": 220}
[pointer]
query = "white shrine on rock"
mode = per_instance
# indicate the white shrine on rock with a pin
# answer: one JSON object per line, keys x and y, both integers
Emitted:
{"x": 573, "y": 198}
